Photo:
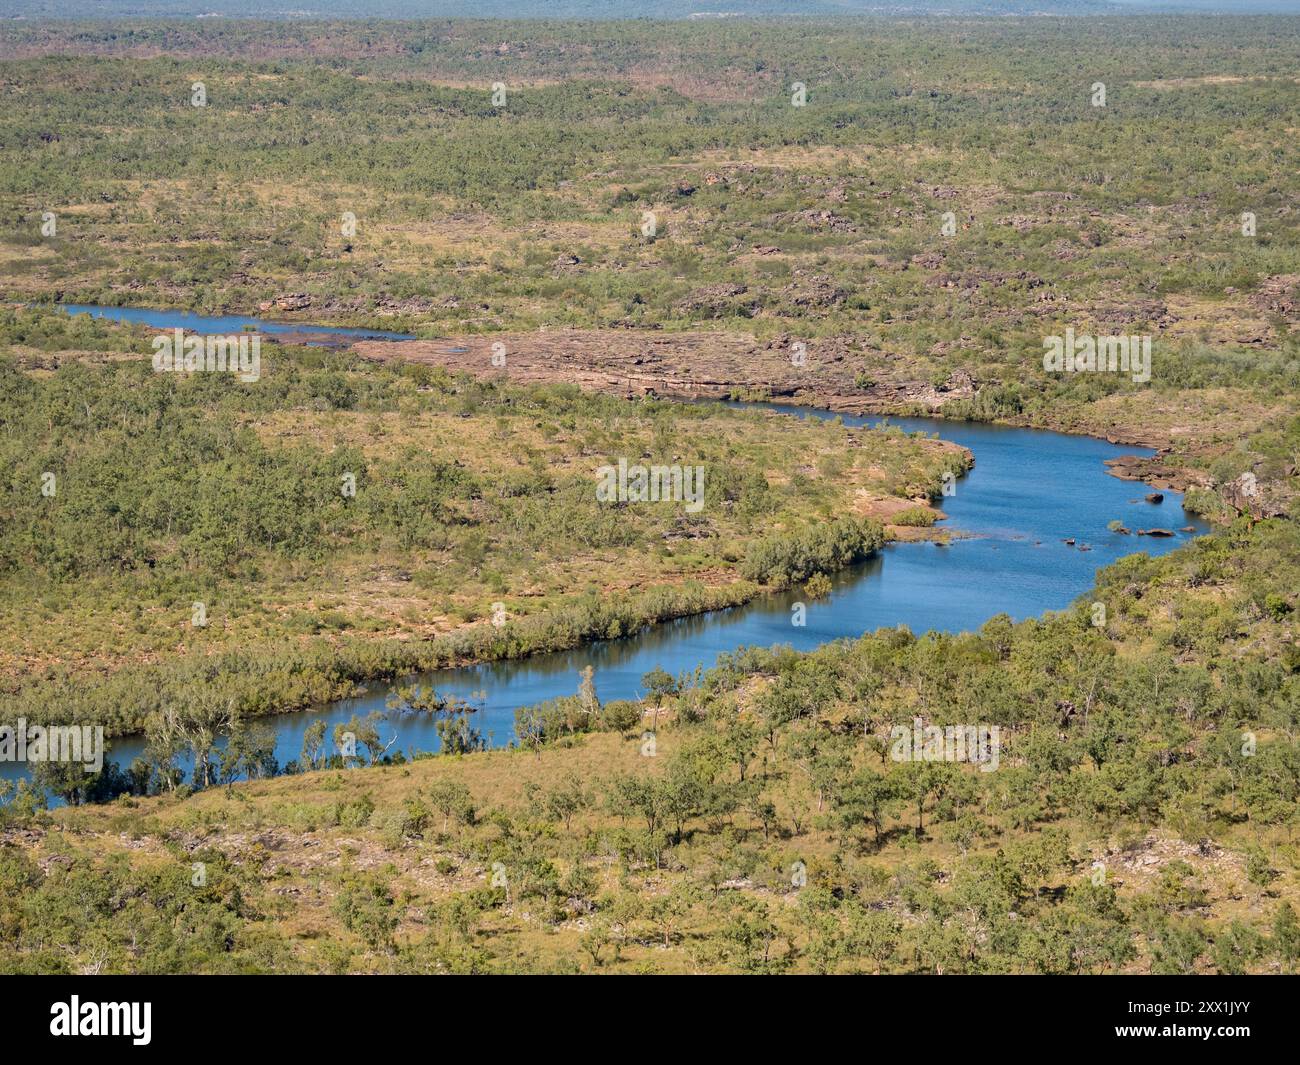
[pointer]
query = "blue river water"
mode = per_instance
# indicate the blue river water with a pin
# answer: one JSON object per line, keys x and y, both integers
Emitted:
{"x": 1028, "y": 493}
{"x": 221, "y": 324}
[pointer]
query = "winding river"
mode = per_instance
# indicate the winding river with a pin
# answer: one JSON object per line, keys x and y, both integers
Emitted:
{"x": 1029, "y": 492}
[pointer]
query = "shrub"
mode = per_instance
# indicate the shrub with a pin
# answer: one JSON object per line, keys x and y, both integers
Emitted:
{"x": 920, "y": 517}
{"x": 784, "y": 559}
{"x": 818, "y": 586}
{"x": 620, "y": 715}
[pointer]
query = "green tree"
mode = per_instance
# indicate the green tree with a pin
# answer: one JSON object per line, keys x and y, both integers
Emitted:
{"x": 366, "y": 906}
{"x": 869, "y": 798}
{"x": 1285, "y": 941}
{"x": 313, "y": 741}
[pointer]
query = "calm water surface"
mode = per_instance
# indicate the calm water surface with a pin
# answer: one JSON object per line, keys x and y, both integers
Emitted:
{"x": 1029, "y": 491}
{"x": 222, "y": 324}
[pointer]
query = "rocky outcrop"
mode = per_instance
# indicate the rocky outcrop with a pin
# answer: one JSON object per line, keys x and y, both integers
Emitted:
{"x": 290, "y": 301}
{"x": 1279, "y": 294}
{"x": 1248, "y": 495}
{"x": 1157, "y": 472}
{"x": 814, "y": 292}
{"x": 718, "y": 301}
{"x": 821, "y": 220}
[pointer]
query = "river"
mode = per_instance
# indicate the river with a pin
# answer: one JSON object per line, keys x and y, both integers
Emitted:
{"x": 1029, "y": 492}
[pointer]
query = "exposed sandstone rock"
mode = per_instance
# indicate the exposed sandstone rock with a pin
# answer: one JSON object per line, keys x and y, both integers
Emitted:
{"x": 1279, "y": 294}
{"x": 1247, "y": 495}
{"x": 291, "y": 301}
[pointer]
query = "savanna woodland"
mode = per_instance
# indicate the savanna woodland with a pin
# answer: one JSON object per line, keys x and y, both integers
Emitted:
{"x": 595, "y": 238}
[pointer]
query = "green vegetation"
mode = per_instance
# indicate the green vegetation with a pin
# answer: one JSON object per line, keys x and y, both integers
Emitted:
{"x": 1141, "y": 817}
{"x": 773, "y": 223}
{"x": 473, "y": 532}
{"x": 789, "y": 559}
{"x": 645, "y": 209}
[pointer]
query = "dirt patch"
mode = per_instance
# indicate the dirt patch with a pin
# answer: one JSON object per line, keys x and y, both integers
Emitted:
{"x": 1208, "y": 79}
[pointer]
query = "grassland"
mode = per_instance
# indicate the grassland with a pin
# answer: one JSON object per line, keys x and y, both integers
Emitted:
{"x": 763, "y": 828}
{"x": 773, "y": 225}
{"x": 648, "y": 214}
{"x": 474, "y": 529}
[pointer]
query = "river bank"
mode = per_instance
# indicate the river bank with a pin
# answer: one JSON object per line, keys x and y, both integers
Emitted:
{"x": 821, "y": 374}
{"x": 1007, "y": 506}
{"x": 784, "y": 369}
{"x": 1035, "y": 508}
